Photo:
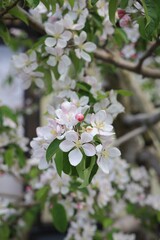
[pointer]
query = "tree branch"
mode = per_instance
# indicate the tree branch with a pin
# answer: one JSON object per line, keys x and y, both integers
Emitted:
{"x": 145, "y": 119}
{"x": 126, "y": 65}
{"x": 148, "y": 53}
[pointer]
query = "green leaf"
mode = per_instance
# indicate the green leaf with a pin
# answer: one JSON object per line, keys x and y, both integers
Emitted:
{"x": 4, "y": 33}
{"x": 59, "y": 217}
{"x": 16, "y": 12}
{"x": 4, "y": 232}
{"x": 20, "y": 156}
{"x": 7, "y": 112}
{"x": 33, "y": 3}
{"x": 71, "y": 2}
{"x": 123, "y": 92}
{"x": 120, "y": 37}
{"x": 124, "y": 3}
{"x": 52, "y": 149}
{"x": 89, "y": 172}
{"x": 59, "y": 161}
{"x": 66, "y": 164}
{"x": 112, "y": 10}
{"x": 8, "y": 156}
{"x": 42, "y": 193}
{"x": 83, "y": 86}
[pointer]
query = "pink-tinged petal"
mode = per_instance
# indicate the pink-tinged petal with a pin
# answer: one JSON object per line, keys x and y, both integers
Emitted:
{"x": 114, "y": 152}
{"x": 50, "y": 42}
{"x": 66, "y": 145}
{"x": 52, "y": 61}
{"x": 89, "y": 149}
{"x": 89, "y": 47}
{"x": 75, "y": 157}
{"x": 72, "y": 136}
{"x": 85, "y": 56}
{"x": 83, "y": 37}
{"x": 86, "y": 137}
{"x": 43, "y": 164}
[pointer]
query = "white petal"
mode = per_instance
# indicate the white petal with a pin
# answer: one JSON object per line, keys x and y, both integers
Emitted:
{"x": 86, "y": 137}
{"x": 89, "y": 47}
{"x": 61, "y": 43}
{"x": 99, "y": 148}
{"x": 43, "y": 164}
{"x": 64, "y": 64}
{"x": 84, "y": 100}
{"x": 78, "y": 53}
{"x": 49, "y": 28}
{"x": 101, "y": 116}
{"x": 85, "y": 56}
{"x": 58, "y": 28}
{"x": 72, "y": 136}
{"x": 83, "y": 37}
{"x": 105, "y": 164}
{"x": 50, "y": 42}
{"x": 89, "y": 149}
{"x": 66, "y": 145}
{"x": 75, "y": 157}
{"x": 76, "y": 40}
{"x": 52, "y": 61}
{"x": 66, "y": 35}
{"x": 114, "y": 152}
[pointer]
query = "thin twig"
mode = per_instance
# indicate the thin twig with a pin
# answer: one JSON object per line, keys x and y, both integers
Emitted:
{"x": 126, "y": 65}
{"x": 9, "y": 8}
{"x": 148, "y": 53}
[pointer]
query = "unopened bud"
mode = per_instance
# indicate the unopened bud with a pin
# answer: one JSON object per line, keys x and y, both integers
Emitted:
{"x": 79, "y": 117}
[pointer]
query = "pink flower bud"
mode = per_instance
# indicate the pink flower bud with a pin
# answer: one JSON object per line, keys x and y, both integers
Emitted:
{"x": 121, "y": 13}
{"x": 124, "y": 21}
{"x": 79, "y": 117}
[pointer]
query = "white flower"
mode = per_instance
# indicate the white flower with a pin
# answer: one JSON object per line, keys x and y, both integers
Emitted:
{"x": 67, "y": 114}
{"x": 73, "y": 142}
{"x": 128, "y": 51}
{"x": 79, "y": 102}
{"x": 58, "y": 57}
{"x": 59, "y": 36}
{"x": 79, "y": 11}
{"x": 69, "y": 24}
{"x": 106, "y": 156}
{"x": 27, "y": 63}
{"x": 102, "y": 6}
{"x": 101, "y": 124}
{"x": 83, "y": 48}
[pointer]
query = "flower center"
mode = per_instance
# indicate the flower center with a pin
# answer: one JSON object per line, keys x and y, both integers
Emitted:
{"x": 78, "y": 144}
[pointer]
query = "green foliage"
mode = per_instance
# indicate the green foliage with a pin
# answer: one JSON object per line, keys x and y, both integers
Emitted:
{"x": 33, "y": 3}
{"x": 112, "y": 10}
{"x": 52, "y": 149}
{"x": 16, "y": 12}
{"x": 59, "y": 161}
{"x": 7, "y": 112}
{"x": 42, "y": 193}
{"x": 4, "y": 232}
{"x": 59, "y": 217}
{"x": 124, "y": 3}
{"x": 150, "y": 23}
{"x": 4, "y": 34}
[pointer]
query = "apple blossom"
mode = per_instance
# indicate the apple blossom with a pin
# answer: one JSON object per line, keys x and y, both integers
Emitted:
{"x": 73, "y": 144}
{"x": 58, "y": 56}
{"x": 59, "y": 36}
{"x": 101, "y": 124}
{"x": 83, "y": 47}
{"x": 106, "y": 156}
